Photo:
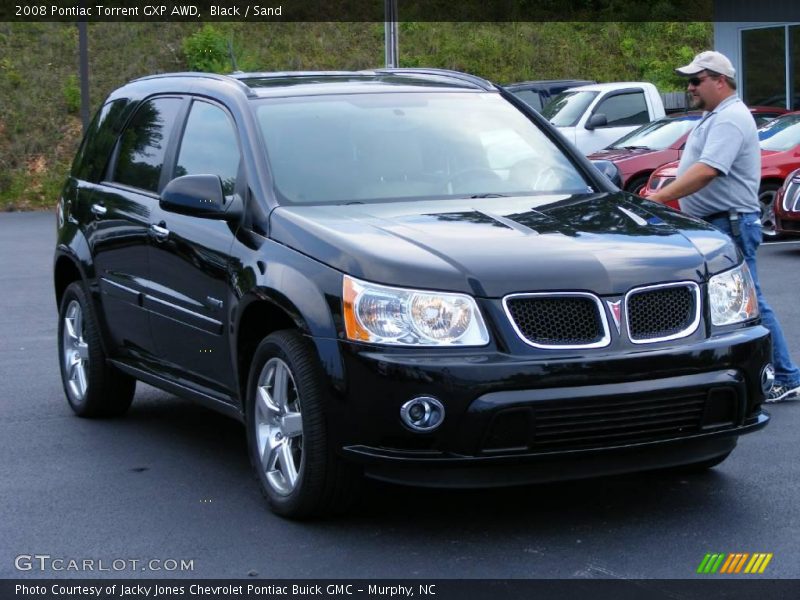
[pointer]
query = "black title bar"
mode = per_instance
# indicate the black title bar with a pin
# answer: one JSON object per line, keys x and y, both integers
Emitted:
{"x": 408, "y": 10}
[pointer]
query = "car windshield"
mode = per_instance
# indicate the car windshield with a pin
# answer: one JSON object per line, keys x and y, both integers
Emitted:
{"x": 780, "y": 134}
{"x": 566, "y": 109}
{"x": 658, "y": 135}
{"x": 379, "y": 146}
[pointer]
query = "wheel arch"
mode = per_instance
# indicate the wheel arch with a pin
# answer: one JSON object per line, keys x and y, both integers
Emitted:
{"x": 770, "y": 180}
{"x": 640, "y": 175}
{"x": 266, "y": 310}
{"x": 65, "y": 271}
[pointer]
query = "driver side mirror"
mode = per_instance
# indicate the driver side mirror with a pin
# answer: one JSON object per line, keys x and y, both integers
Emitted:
{"x": 595, "y": 121}
{"x": 610, "y": 170}
{"x": 195, "y": 195}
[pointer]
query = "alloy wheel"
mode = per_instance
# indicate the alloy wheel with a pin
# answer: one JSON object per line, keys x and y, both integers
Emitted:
{"x": 75, "y": 351}
{"x": 767, "y": 197}
{"x": 279, "y": 426}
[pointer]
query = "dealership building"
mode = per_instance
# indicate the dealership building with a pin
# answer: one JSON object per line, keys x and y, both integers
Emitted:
{"x": 766, "y": 56}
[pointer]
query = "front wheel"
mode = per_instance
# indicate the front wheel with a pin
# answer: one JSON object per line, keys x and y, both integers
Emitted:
{"x": 93, "y": 387}
{"x": 299, "y": 472}
{"x": 766, "y": 197}
{"x": 635, "y": 186}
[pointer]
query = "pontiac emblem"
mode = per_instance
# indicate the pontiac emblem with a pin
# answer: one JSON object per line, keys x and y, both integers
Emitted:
{"x": 616, "y": 309}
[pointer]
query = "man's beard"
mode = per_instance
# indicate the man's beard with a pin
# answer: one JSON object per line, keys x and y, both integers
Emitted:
{"x": 697, "y": 103}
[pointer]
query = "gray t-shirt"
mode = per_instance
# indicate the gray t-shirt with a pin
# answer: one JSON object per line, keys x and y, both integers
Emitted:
{"x": 726, "y": 140}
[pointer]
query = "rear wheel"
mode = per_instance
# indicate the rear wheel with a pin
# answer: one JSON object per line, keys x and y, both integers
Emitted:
{"x": 93, "y": 387}
{"x": 766, "y": 196}
{"x": 299, "y": 472}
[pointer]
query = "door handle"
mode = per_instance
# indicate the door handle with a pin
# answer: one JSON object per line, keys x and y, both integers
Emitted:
{"x": 99, "y": 209}
{"x": 159, "y": 232}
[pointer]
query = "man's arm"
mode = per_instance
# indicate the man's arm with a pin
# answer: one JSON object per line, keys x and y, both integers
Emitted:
{"x": 696, "y": 177}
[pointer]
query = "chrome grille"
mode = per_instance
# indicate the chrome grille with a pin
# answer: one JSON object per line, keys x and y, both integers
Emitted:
{"x": 662, "y": 312}
{"x": 558, "y": 320}
{"x": 791, "y": 194}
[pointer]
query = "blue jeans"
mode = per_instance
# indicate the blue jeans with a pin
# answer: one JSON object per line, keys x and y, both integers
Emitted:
{"x": 786, "y": 372}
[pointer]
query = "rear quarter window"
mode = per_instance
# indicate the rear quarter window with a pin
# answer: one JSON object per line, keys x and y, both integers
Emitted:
{"x": 98, "y": 142}
{"x": 143, "y": 144}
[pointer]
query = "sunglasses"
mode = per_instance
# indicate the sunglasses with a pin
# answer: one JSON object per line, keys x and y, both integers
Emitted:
{"x": 695, "y": 81}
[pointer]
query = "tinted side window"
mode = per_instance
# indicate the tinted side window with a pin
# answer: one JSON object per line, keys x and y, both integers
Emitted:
{"x": 530, "y": 97}
{"x": 93, "y": 154}
{"x": 144, "y": 143}
{"x": 624, "y": 109}
{"x": 209, "y": 146}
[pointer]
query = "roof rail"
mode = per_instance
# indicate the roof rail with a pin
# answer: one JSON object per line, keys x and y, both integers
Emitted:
{"x": 226, "y": 78}
{"x": 482, "y": 83}
{"x": 279, "y": 74}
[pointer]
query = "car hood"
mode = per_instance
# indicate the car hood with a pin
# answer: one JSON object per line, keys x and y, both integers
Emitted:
{"x": 618, "y": 154}
{"x": 490, "y": 247}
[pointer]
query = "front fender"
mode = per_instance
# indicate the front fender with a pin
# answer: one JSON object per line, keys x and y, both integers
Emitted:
{"x": 305, "y": 290}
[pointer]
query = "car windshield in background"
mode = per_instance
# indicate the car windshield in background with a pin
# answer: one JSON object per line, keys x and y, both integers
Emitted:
{"x": 372, "y": 147}
{"x": 780, "y": 134}
{"x": 565, "y": 109}
{"x": 659, "y": 134}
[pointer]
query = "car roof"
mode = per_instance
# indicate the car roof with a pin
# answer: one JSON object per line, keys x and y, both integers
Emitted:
{"x": 296, "y": 83}
{"x": 690, "y": 114}
{"x": 543, "y": 84}
{"x": 601, "y": 87}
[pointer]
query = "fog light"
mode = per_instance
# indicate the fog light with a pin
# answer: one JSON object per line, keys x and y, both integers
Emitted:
{"x": 422, "y": 414}
{"x": 767, "y": 378}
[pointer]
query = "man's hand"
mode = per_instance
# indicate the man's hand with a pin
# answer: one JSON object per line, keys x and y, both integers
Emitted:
{"x": 698, "y": 176}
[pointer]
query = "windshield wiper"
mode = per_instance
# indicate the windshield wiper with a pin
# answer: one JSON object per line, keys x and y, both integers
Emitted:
{"x": 489, "y": 196}
{"x": 636, "y": 147}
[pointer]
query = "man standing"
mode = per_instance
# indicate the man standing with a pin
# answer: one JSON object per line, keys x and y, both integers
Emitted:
{"x": 718, "y": 178}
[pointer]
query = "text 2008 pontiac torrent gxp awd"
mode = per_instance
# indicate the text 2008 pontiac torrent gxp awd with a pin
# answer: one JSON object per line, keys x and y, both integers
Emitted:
{"x": 402, "y": 273}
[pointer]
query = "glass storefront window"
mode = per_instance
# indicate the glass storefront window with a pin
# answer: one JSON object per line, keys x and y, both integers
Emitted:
{"x": 764, "y": 66}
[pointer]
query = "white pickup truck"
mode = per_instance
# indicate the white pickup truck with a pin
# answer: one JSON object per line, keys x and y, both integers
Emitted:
{"x": 594, "y": 116}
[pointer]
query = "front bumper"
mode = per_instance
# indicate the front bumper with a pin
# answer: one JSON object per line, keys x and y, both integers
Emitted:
{"x": 518, "y": 419}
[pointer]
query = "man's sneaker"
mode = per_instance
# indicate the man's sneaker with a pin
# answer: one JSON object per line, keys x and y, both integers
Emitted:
{"x": 781, "y": 392}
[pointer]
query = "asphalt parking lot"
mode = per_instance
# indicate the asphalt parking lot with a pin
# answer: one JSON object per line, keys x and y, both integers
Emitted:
{"x": 171, "y": 481}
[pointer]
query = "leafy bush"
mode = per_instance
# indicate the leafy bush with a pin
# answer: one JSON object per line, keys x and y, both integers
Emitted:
{"x": 207, "y": 50}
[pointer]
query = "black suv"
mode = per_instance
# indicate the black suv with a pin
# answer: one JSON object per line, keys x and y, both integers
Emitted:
{"x": 404, "y": 274}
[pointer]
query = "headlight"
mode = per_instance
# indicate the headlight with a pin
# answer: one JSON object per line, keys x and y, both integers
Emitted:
{"x": 732, "y": 296}
{"x": 388, "y": 315}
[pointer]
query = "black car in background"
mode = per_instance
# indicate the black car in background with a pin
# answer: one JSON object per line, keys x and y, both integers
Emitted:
{"x": 402, "y": 273}
{"x": 538, "y": 93}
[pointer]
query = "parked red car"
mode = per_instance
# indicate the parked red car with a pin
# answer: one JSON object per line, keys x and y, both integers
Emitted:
{"x": 787, "y": 205}
{"x": 780, "y": 155}
{"x": 641, "y": 151}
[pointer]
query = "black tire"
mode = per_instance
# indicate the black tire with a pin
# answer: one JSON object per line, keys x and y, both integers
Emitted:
{"x": 93, "y": 387}
{"x": 323, "y": 483}
{"x": 637, "y": 184}
{"x": 766, "y": 197}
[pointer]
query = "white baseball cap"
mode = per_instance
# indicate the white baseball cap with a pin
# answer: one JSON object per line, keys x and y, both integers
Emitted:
{"x": 709, "y": 60}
